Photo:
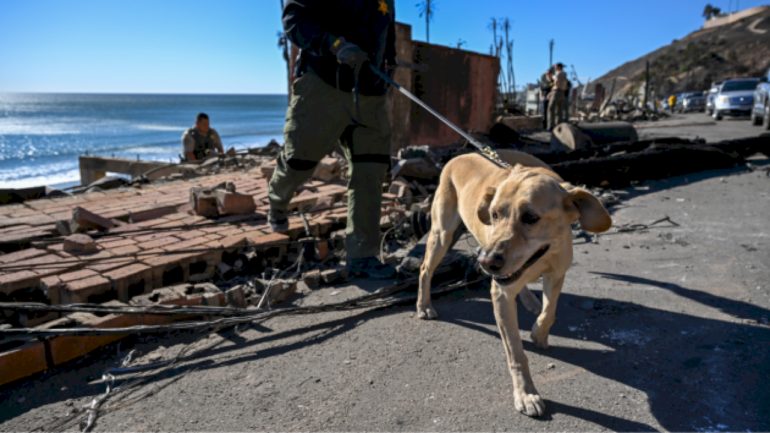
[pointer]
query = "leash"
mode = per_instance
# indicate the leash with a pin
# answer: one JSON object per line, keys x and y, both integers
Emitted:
{"x": 487, "y": 151}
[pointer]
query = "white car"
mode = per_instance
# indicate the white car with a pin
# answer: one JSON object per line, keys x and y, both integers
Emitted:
{"x": 735, "y": 98}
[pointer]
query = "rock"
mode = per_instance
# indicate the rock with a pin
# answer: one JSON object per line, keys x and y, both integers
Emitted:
{"x": 411, "y": 264}
{"x": 63, "y": 228}
{"x": 203, "y": 201}
{"x": 401, "y": 189}
{"x": 83, "y": 220}
{"x": 235, "y": 297}
{"x": 587, "y": 305}
{"x": 312, "y": 278}
{"x": 327, "y": 170}
{"x": 79, "y": 243}
{"x": 280, "y": 290}
{"x": 212, "y": 299}
{"x": 233, "y": 203}
{"x": 334, "y": 276}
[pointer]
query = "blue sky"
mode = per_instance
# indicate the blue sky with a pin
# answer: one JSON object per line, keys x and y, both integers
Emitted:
{"x": 230, "y": 46}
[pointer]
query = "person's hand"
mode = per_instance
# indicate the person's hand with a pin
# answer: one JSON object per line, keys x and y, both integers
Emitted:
{"x": 349, "y": 53}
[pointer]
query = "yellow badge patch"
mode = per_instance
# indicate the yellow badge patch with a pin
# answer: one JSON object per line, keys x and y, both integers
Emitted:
{"x": 384, "y": 7}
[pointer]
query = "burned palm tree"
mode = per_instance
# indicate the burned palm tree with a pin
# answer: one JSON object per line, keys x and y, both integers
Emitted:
{"x": 502, "y": 48}
{"x": 427, "y": 7}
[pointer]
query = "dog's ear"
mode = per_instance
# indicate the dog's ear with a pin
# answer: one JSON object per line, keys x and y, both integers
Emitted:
{"x": 592, "y": 215}
{"x": 483, "y": 209}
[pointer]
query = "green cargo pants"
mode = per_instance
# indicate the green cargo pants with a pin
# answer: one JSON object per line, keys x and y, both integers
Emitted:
{"x": 316, "y": 119}
{"x": 556, "y": 109}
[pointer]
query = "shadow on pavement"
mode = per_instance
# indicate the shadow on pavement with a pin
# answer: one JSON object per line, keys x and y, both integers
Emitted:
{"x": 696, "y": 372}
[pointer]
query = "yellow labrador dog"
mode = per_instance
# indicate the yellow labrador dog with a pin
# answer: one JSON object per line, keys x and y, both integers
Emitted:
{"x": 521, "y": 217}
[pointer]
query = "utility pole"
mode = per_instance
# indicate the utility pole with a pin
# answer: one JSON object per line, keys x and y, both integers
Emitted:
{"x": 647, "y": 86}
{"x": 550, "y": 61}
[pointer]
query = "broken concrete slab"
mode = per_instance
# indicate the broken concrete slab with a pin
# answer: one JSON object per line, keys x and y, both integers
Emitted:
{"x": 233, "y": 203}
{"x": 79, "y": 243}
{"x": 235, "y": 297}
{"x": 83, "y": 220}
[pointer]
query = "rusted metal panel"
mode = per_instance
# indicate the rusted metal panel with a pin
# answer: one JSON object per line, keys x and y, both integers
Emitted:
{"x": 399, "y": 107}
{"x": 460, "y": 85}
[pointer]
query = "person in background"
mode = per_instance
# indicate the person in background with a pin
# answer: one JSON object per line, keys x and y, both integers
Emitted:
{"x": 567, "y": 100}
{"x": 557, "y": 97}
{"x": 200, "y": 138}
{"x": 337, "y": 41}
{"x": 545, "y": 89}
{"x": 672, "y": 102}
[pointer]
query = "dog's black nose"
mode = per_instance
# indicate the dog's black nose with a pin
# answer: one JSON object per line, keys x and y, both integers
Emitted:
{"x": 492, "y": 262}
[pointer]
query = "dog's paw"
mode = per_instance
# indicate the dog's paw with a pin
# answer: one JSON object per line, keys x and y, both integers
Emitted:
{"x": 539, "y": 337}
{"x": 529, "y": 404}
{"x": 426, "y": 313}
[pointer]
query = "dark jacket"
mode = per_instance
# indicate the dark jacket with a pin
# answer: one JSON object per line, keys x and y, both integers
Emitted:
{"x": 313, "y": 25}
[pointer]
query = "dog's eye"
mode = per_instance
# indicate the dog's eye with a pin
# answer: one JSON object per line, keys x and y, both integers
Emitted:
{"x": 494, "y": 215}
{"x": 529, "y": 218}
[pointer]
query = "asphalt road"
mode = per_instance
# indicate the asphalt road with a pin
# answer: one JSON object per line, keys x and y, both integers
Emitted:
{"x": 658, "y": 329}
{"x": 708, "y": 128}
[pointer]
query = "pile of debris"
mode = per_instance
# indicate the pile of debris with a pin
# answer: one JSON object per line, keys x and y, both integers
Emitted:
{"x": 206, "y": 243}
{"x": 610, "y": 112}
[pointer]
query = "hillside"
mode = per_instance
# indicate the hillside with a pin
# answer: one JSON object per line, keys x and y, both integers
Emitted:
{"x": 739, "y": 49}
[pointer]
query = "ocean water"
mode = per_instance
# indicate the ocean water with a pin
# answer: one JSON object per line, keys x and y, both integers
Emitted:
{"x": 42, "y": 135}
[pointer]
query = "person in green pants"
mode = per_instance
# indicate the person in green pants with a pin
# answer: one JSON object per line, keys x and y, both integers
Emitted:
{"x": 337, "y": 40}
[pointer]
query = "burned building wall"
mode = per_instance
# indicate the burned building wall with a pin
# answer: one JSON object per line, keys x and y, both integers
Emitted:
{"x": 460, "y": 85}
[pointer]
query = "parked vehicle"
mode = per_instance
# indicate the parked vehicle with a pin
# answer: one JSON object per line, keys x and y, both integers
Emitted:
{"x": 760, "y": 112}
{"x": 695, "y": 101}
{"x": 711, "y": 96}
{"x": 735, "y": 98}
